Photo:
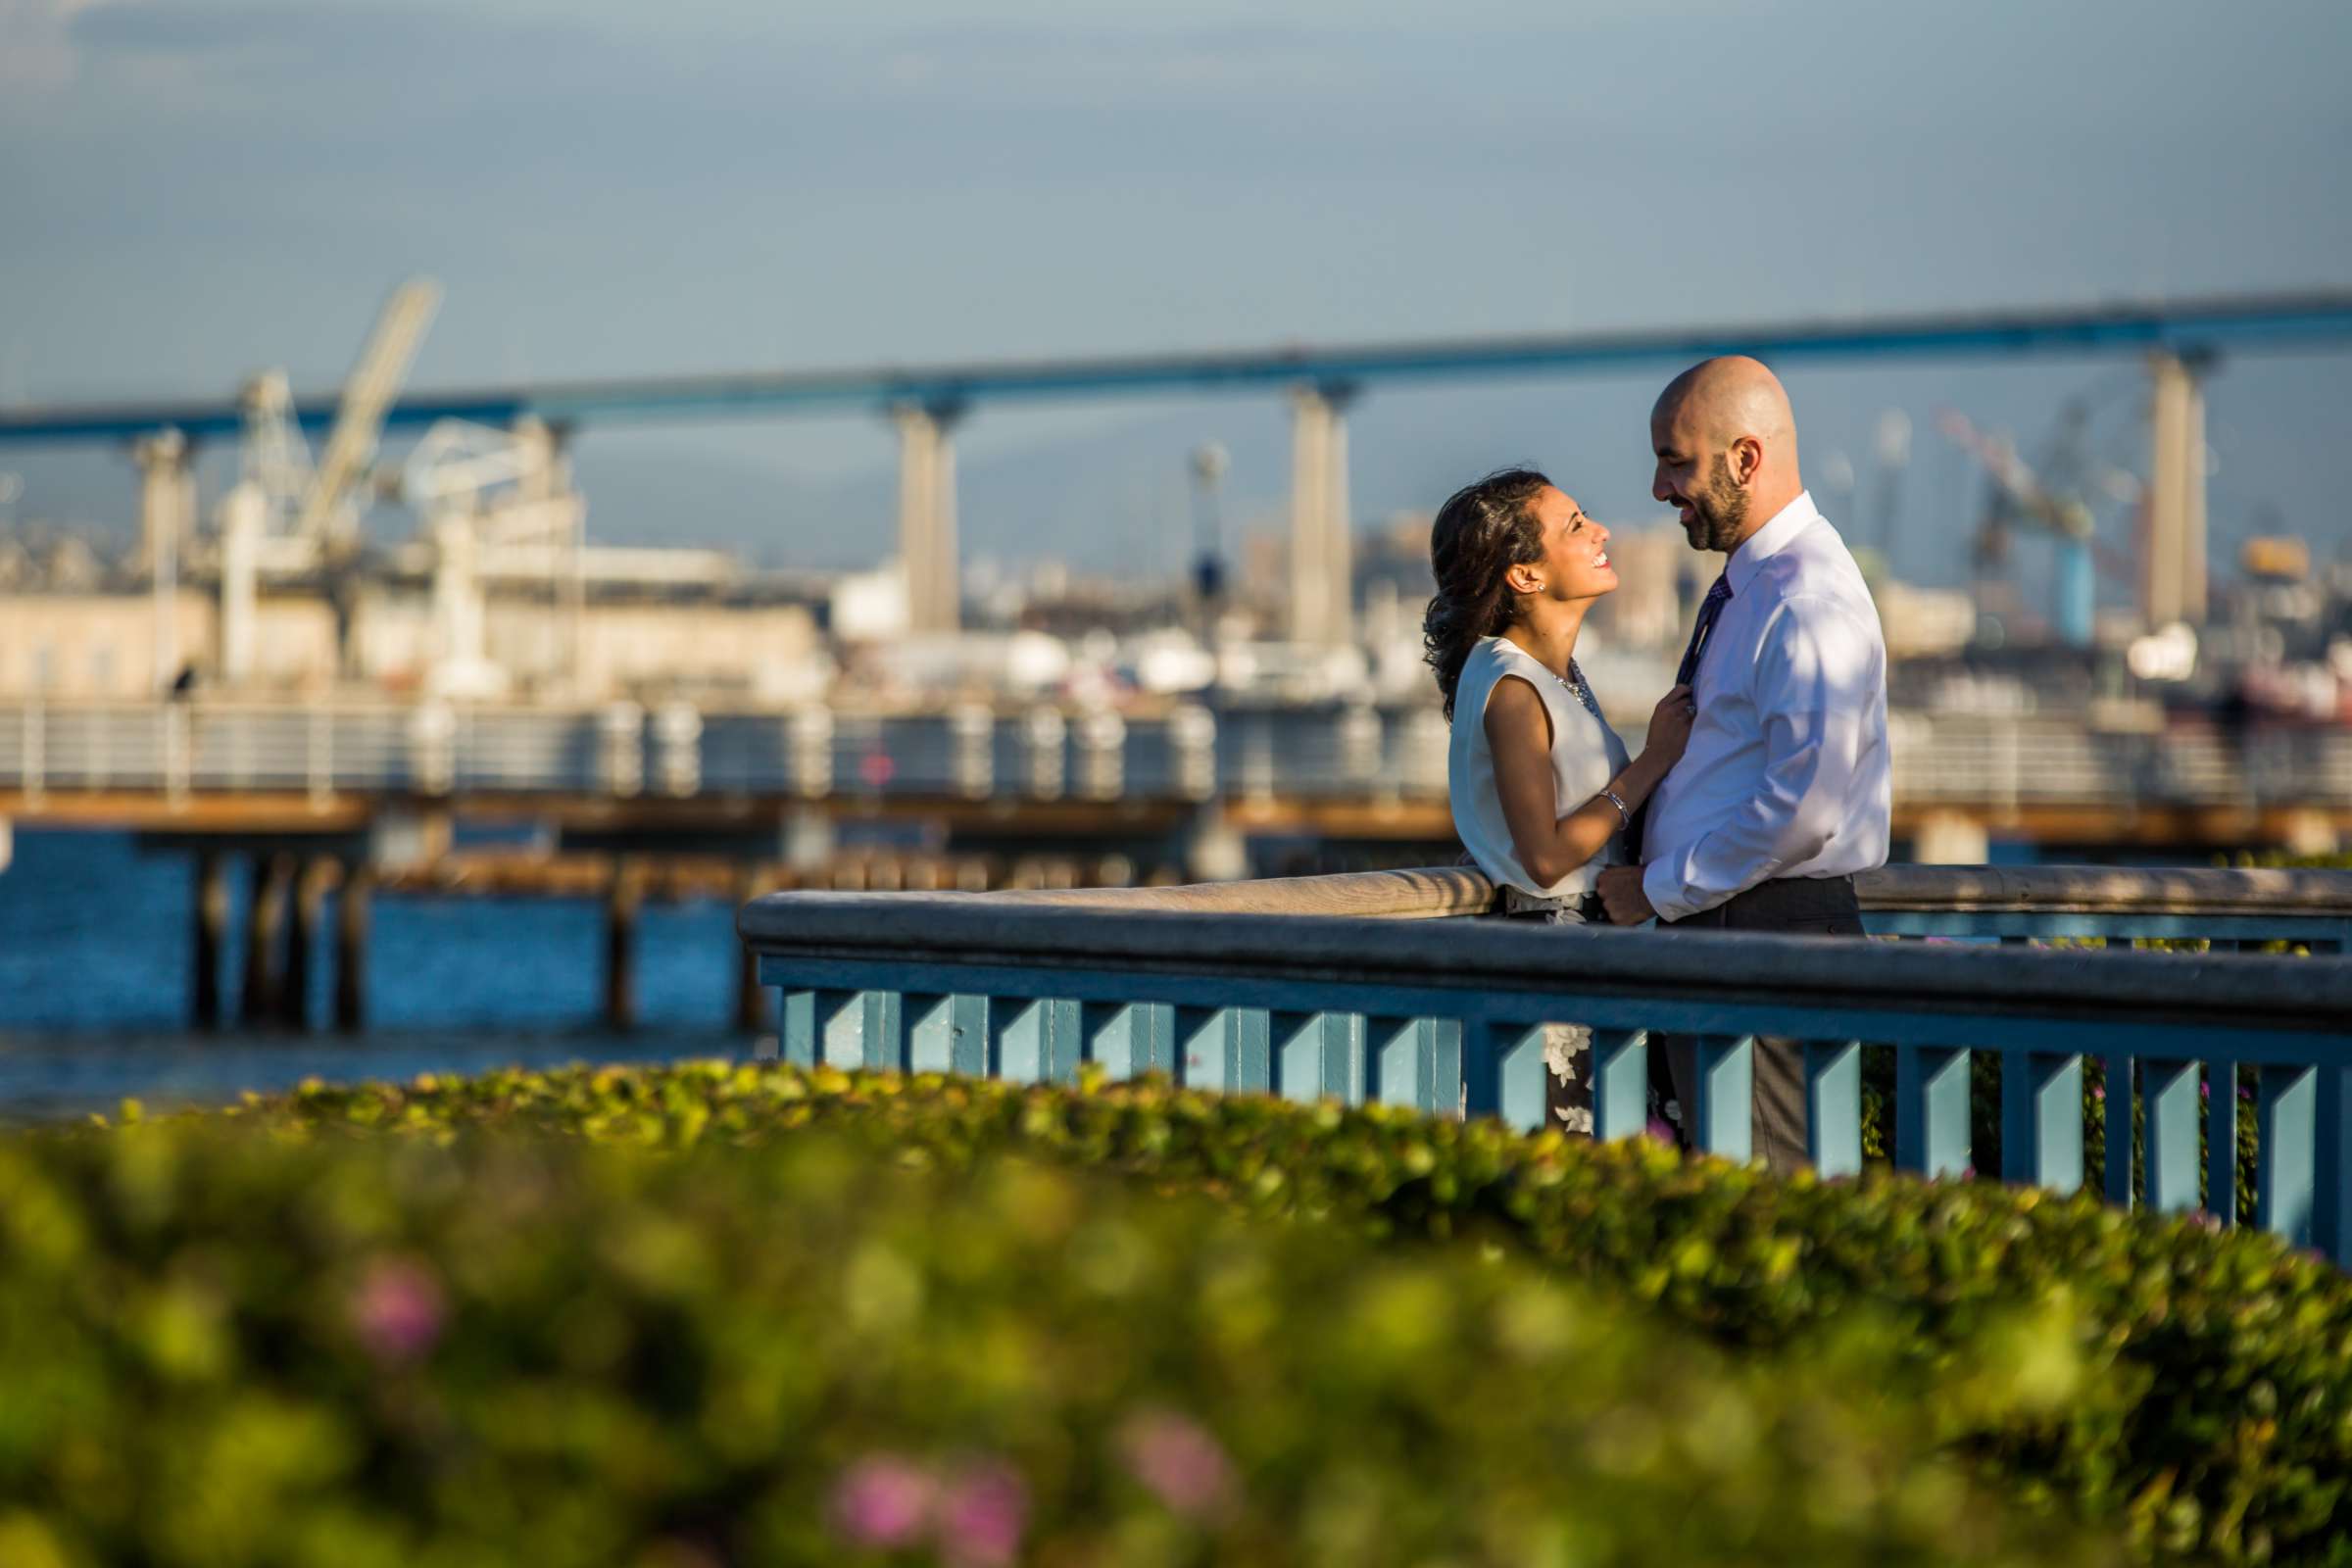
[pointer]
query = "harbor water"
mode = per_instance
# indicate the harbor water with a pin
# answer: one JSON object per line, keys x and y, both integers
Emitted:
{"x": 95, "y": 984}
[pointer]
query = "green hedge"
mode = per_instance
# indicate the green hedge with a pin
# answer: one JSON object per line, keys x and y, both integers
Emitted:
{"x": 2214, "y": 1416}
{"x": 277, "y": 1343}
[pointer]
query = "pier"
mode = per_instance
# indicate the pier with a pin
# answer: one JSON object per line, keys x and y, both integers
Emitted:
{"x": 324, "y": 806}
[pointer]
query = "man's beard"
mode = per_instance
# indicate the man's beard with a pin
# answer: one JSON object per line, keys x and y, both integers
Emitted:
{"x": 1717, "y": 513}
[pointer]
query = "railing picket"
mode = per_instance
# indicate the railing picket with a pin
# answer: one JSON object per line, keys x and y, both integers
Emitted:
{"x": 1354, "y": 1065}
{"x": 796, "y": 1029}
{"x": 840, "y": 1028}
{"x": 1620, "y": 1083}
{"x": 2331, "y": 1209}
{"x": 1130, "y": 1037}
{"x": 2170, "y": 1160}
{"x": 1833, "y": 1106}
{"x": 1252, "y": 1052}
{"x": 1930, "y": 1109}
{"x": 2116, "y": 1103}
{"x": 2220, "y": 1141}
{"x": 1222, "y": 1048}
{"x": 1034, "y": 1042}
{"x": 1314, "y": 1055}
{"x": 2042, "y": 1119}
{"x": 1401, "y": 1058}
{"x": 1723, "y": 1120}
{"x": 2286, "y": 1107}
{"x": 1446, "y": 1091}
{"x": 947, "y": 1034}
{"x": 1506, "y": 1074}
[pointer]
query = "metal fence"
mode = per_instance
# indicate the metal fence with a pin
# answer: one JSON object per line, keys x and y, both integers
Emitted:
{"x": 1332, "y": 986}
{"x": 1044, "y": 752}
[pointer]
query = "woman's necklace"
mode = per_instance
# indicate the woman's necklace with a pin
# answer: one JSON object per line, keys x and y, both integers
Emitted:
{"x": 1574, "y": 680}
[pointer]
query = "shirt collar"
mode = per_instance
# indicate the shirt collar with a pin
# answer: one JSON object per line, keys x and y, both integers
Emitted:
{"x": 1770, "y": 540}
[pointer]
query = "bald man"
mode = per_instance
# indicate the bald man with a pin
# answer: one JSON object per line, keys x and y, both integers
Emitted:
{"x": 1783, "y": 793}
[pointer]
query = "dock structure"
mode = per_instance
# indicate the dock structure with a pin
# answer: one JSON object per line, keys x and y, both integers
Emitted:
{"x": 324, "y": 806}
{"x": 320, "y": 811}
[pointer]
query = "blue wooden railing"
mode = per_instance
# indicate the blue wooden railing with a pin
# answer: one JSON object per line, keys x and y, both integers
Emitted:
{"x": 1355, "y": 988}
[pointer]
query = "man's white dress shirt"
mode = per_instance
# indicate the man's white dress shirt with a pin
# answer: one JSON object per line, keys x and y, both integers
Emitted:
{"x": 1787, "y": 774}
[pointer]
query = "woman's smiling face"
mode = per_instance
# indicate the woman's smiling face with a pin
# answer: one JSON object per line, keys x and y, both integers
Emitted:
{"x": 1576, "y": 550}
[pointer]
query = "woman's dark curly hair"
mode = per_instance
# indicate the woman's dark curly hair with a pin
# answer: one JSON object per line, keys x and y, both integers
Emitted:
{"x": 1483, "y": 530}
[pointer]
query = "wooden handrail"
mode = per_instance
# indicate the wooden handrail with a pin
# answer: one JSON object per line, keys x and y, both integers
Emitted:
{"x": 1436, "y": 891}
{"x": 2100, "y": 889}
{"x": 1427, "y": 894}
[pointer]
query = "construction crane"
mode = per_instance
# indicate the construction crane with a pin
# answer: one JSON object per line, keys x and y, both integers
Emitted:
{"x": 2021, "y": 498}
{"x": 493, "y": 504}
{"x": 288, "y": 516}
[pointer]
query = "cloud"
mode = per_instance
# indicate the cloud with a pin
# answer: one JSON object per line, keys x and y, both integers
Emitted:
{"x": 36, "y": 44}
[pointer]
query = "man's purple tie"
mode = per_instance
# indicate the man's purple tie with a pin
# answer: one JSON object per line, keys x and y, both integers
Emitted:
{"x": 1708, "y": 609}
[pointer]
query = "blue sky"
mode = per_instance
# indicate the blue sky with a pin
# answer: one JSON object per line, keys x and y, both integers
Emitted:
{"x": 189, "y": 189}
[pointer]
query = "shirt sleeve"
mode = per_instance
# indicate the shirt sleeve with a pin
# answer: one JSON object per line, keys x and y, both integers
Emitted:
{"x": 1816, "y": 676}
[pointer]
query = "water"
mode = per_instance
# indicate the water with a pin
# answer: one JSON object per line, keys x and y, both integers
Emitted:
{"x": 96, "y": 952}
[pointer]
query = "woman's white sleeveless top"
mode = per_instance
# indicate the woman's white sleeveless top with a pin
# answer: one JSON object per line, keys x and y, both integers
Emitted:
{"x": 1586, "y": 754}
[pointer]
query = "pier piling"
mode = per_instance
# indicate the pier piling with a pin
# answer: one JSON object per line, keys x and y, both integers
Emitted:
{"x": 351, "y": 947}
{"x": 210, "y": 927}
{"x": 264, "y": 927}
{"x": 622, "y": 898}
{"x": 310, "y": 888}
{"x": 750, "y": 997}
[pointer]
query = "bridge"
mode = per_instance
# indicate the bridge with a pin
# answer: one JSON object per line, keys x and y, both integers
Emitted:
{"x": 2178, "y": 338}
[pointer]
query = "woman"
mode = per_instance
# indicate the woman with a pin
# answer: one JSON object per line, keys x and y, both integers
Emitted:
{"x": 1541, "y": 788}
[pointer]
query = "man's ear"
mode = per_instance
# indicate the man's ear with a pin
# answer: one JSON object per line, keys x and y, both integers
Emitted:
{"x": 1747, "y": 460}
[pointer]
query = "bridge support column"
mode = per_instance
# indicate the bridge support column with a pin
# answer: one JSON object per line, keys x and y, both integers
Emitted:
{"x": 1214, "y": 850}
{"x": 2309, "y": 831}
{"x": 927, "y": 549}
{"x": 167, "y": 523}
{"x": 623, "y": 897}
{"x": 265, "y": 926}
{"x": 2174, "y": 570}
{"x": 1322, "y": 542}
{"x": 243, "y": 519}
{"x": 351, "y": 948}
{"x": 210, "y": 924}
{"x": 310, "y": 884}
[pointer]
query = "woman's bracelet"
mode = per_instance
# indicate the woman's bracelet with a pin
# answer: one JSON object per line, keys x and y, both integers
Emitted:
{"x": 1624, "y": 817}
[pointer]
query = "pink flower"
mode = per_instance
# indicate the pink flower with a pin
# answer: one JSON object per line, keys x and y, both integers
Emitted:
{"x": 882, "y": 1502}
{"x": 396, "y": 1310}
{"x": 982, "y": 1515}
{"x": 1661, "y": 1131}
{"x": 1179, "y": 1462}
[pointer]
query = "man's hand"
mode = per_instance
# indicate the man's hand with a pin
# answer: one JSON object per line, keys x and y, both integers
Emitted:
{"x": 1622, "y": 896}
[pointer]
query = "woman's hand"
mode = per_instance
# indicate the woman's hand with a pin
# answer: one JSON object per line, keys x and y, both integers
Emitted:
{"x": 1670, "y": 726}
